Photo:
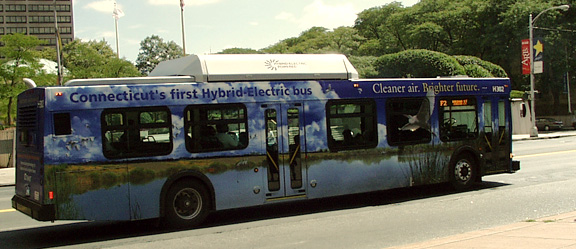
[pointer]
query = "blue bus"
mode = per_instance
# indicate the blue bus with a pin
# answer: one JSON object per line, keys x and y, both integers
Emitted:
{"x": 215, "y": 132}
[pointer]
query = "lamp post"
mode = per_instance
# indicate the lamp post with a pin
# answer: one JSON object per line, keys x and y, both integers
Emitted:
{"x": 534, "y": 130}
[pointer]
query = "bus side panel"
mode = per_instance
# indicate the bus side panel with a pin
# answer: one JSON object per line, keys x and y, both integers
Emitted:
{"x": 131, "y": 189}
{"x": 89, "y": 192}
{"x": 383, "y": 167}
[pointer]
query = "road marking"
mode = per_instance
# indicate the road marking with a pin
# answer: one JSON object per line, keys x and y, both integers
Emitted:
{"x": 545, "y": 154}
{"x": 7, "y": 210}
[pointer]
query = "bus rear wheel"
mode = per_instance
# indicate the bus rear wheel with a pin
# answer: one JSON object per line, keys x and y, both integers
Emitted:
{"x": 187, "y": 204}
{"x": 463, "y": 172}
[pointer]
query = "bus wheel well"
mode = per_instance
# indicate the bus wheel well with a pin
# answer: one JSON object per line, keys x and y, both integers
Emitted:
{"x": 187, "y": 177}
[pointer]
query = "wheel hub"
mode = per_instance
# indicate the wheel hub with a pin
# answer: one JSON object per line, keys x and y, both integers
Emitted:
{"x": 463, "y": 171}
{"x": 187, "y": 203}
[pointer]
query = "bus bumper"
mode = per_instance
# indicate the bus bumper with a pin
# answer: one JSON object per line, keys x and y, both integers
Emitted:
{"x": 35, "y": 210}
{"x": 515, "y": 166}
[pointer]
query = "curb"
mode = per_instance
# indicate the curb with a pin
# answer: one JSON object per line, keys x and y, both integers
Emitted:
{"x": 543, "y": 137}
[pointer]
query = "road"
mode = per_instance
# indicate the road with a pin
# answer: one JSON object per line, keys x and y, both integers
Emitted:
{"x": 543, "y": 187}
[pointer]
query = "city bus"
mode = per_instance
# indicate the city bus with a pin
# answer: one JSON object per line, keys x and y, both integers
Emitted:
{"x": 215, "y": 132}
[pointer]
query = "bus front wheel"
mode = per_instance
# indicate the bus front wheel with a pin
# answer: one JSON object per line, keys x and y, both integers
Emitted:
{"x": 187, "y": 204}
{"x": 463, "y": 172}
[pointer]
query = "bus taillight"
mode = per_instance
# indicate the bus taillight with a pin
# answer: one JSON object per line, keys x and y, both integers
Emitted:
{"x": 51, "y": 195}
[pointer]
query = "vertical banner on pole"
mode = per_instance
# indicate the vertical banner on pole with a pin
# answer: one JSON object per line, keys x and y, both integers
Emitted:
{"x": 526, "y": 56}
{"x": 538, "y": 53}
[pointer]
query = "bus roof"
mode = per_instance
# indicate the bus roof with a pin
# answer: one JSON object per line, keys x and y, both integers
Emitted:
{"x": 255, "y": 67}
{"x": 129, "y": 80}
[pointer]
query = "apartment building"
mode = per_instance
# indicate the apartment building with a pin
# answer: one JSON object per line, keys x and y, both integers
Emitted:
{"x": 38, "y": 18}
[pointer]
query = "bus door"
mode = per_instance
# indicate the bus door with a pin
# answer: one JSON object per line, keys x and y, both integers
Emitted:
{"x": 284, "y": 150}
{"x": 497, "y": 135}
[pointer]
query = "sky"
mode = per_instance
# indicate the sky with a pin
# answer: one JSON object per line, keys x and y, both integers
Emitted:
{"x": 211, "y": 25}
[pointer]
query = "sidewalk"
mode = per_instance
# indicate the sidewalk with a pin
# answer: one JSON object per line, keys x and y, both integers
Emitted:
{"x": 552, "y": 232}
{"x": 545, "y": 135}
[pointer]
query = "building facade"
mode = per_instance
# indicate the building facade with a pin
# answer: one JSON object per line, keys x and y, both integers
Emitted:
{"x": 38, "y": 18}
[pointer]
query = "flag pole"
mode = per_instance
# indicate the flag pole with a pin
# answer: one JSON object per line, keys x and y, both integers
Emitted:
{"x": 117, "y": 13}
{"x": 182, "y": 20}
{"x": 117, "y": 46}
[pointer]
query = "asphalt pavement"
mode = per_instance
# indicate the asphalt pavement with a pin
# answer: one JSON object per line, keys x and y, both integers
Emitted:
{"x": 551, "y": 232}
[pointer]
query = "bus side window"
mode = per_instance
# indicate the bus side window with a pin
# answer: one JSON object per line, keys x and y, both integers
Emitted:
{"x": 351, "y": 124}
{"x": 216, "y": 127}
{"x": 458, "y": 118}
{"x": 136, "y": 132}
{"x": 62, "y": 124}
{"x": 408, "y": 121}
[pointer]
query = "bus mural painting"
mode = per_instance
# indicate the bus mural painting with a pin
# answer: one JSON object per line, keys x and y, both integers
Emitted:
{"x": 215, "y": 132}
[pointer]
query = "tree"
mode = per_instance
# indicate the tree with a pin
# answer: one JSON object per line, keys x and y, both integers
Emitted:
{"x": 344, "y": 40}
{"x": 418, "y": 64}
{"x": 20, "y": 62}
{"x": 239, "y": 51}
{"x": 95, "y": 59}
{"x": 312, "y": 41}
{"x": 421, "y": 63}
{"x": 382, "y": 29}
{"x": 154, "y": 50}
{"x": 365, "y": 66}
{"x": 476, "y": 64}
{"x": 487, "y": 29}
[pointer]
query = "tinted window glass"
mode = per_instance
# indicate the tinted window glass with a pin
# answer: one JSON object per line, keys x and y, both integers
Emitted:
{"x": 216, "y": 127}
{"x": 351, "y": 124}
{"x": 136, "y": 132}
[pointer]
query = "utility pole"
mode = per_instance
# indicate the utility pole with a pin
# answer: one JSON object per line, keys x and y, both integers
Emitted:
{"x": 58, "y": 47}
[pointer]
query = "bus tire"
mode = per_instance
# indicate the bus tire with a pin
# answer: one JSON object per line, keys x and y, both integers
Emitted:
{"x": 463, "y": 172}
{"x": 187, "y": 204}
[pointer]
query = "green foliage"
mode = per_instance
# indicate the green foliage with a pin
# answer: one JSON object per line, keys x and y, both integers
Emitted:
{"x": 20, "y": 61}
{"x": 517, "y": 94}
{"x": 311, "y": 41}
{"x": 95, "y": 59}
{"x": 318, "y": 40}
{"x": 484, "y": 68}
{"x": 239, "y": 51}
{"x": 344, "y": 40}
{"x": 476, "y": 71}
{"x": 380, "y": 27}
{"x": 154, "y": 50}
{"x": 364, "y": 65}
{"x": 90, "y": 59}
{"x": 418, "y": 64}
{"x": 489, "y": 30}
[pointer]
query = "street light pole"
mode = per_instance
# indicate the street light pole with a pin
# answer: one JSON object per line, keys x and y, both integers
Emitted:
{"x": 534, "y": 130}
